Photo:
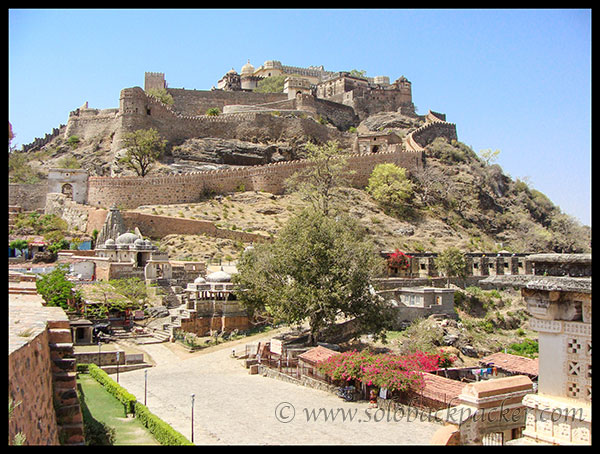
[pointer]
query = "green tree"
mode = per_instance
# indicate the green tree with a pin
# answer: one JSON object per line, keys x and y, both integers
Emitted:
{"x": 19, "y": 169}
{"x": 273, "y": 84}
{"x": 213, "y": 111}
{"x": 358, "y": 73}
{"x": 19, "y": 245}
{"x": 452, "y": 263}
{"x": 318, "y": 269}
{"x": 56, "y": 289}
{"x": 320, "y": 181}
{"x": 488, "y": 156}
{"x": 142, "y": 149}
{"x": 162, "y": 95}
{"x": 390, "y": 187}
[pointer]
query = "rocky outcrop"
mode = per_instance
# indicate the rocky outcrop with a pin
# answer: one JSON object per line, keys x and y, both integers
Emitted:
{"x": 229, "y": 151}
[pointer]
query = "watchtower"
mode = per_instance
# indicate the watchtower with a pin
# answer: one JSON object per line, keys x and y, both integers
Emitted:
{"x": 154, "y": 81}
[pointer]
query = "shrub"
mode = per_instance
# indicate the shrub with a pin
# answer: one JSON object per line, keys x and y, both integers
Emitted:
{"x": 162, "y": 431}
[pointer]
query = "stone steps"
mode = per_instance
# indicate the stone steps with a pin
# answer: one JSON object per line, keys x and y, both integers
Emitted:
{"x": 64, "y": 382}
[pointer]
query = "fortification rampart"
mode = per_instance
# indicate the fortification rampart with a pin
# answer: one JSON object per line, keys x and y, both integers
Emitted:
{"x": 141, "y": 111}
{"x": 132, "y": 192}
{"x": 424, "y": 135}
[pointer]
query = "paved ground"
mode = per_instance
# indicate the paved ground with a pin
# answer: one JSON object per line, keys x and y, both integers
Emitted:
{"x": 233, "y": 407}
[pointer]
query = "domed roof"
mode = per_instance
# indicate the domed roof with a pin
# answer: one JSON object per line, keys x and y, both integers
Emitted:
{"x": 219, "y": 276}
{"x": 199, "y": 280}
{"x": 127, "y": 238}
{"x": 247, "y": 69}
{"x": 139, "y": 243}
{"x": 109, "y": 242}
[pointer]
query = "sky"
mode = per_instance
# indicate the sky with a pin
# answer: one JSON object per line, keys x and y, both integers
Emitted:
{"x": 517, "y": 81}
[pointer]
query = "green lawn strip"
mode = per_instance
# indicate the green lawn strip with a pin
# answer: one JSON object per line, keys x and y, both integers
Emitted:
{"x": 105, "y": 408}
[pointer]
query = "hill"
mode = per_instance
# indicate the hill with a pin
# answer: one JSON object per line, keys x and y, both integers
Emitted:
{"x": 459, "y": 200}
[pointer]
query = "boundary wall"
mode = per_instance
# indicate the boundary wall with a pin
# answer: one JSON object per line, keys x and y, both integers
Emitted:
{"x": 131, "y": 192}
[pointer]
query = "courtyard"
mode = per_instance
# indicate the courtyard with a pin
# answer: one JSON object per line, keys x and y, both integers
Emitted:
{"x": 233, "y": 407}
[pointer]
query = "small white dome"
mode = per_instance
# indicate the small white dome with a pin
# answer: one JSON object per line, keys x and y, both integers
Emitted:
{"x": 219, "y": 276}
{"x": 247, "y": 69}
{"x": 127, "y": 238}
{"x": 199, "y": 280}
{"x": 109, "y": 242}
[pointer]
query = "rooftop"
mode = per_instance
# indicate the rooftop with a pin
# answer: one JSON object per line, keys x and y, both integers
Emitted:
{"x": 512, "y": 363}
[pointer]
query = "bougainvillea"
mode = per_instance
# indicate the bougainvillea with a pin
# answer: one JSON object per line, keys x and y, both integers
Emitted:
{"x": 399, "y": 259}
{"x": 394, "y": 372}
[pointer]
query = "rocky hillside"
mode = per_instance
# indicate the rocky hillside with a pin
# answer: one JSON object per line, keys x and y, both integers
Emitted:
{"x": 459, "y": 200}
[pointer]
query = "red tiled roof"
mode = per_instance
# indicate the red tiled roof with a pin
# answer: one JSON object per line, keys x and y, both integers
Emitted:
{"x": 440, "y": 388}
{"x": 512, "y": 363}
{"x": 317, "y": 354}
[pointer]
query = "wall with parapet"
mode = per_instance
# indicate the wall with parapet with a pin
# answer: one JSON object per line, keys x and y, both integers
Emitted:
{"x": 132, "y": 192}
{"x": 141, "y": 111}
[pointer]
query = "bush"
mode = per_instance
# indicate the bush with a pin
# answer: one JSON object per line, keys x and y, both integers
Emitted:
{"x": 162, "y": 431}
{"x": 121, "y": 394}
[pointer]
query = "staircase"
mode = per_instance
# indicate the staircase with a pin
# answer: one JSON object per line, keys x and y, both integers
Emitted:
{"x": 66, "y": 402}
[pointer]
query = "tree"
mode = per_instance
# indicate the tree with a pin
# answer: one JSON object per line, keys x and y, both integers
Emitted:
{"x": 19, "y": 245}
{"x": 390, "y": 187}
{"x": 320, "y": 181}
{"x": 318, "y": 269}
{"x": 358, "y": 73}
{"x": 56, "y": 289}
{"x": 143, "y": 148}
{"x": 116, "y": 295}
{"x": 452, "y": 263}
{"x": 162, "y": 95}
{"x": 488, "y": 156}
{"x": 273, "y": 84}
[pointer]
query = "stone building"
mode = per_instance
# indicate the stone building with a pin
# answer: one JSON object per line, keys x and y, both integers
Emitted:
{"x": 211, "y": 306}
{"x": 412, "y": 303}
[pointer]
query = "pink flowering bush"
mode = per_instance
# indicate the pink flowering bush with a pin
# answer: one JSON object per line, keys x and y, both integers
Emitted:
{"x": 394, "y": 372}
{"x": 399, "y": 259}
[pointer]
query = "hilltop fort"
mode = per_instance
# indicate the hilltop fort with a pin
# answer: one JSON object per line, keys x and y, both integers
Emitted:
{"x": 257, "y": 136}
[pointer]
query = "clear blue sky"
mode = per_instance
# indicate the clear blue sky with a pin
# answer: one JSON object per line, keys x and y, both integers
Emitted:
{"x": 518, "y": 81}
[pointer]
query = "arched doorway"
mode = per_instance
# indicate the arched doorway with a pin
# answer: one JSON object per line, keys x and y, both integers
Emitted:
{"x": 67, "y": 190}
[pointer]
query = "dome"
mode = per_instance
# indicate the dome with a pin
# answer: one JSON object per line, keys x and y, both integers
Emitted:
{"x": 109, "y": 242}
{"x": 139, "y": 243}
{"x": 247, "y": 69}
{"x": 219, "y": 276}
{"x": 199, "y": 280}
{"x": 127, "y": 238}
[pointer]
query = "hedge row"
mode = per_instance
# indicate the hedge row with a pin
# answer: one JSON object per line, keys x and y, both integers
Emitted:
{"x": 162, "y": 431}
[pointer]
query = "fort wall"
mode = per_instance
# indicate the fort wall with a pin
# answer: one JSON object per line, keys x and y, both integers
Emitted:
{"x": 197, "y": 102}
{"x": 132, "y": 192}
{"x": 29, "y": 197}
{"x": 160, "y": 226}
{"x": 141, "y": 111}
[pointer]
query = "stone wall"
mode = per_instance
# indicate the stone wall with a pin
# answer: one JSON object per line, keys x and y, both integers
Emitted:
{"x": 132, "y": 192}
{"x": 41, "y": 373}
{"x": 160, "y": 226}
{"x": 34, "y": 416}
{"x": 141, "y": 111}
{"x": 29, "y": 197}
{"x": 197, "y": 102}
{"x": 427, "y": 133}
{"x": 88, "y": 124}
